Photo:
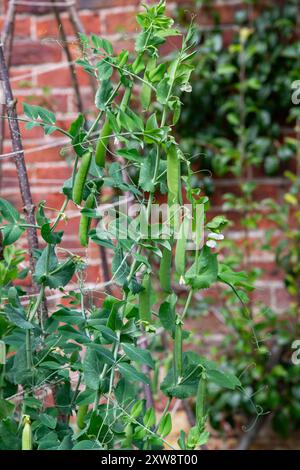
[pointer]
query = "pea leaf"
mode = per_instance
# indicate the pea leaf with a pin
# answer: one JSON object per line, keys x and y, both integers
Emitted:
{"x": 141, "y": 356}
{"x": 162, "y": 91}
{"x": 48, "y": 420}
{"x": 53, "y": 238}
{"x": 167, "y": 316}
{"x": 11, "y": 233}
{"x": 103, "y": 352}
{"x": 224, "y": 379}
{"x": 205, "y": 272}
{"x": 8, "y": 211}
{"x": 120, "y": 267}
{"x": 103, "y": 94}
{"x": 93, "y": 364}
{"x": 130, "y": 373}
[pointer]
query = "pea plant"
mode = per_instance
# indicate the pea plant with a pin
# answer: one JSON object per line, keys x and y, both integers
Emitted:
{"x": 82, "y": 378}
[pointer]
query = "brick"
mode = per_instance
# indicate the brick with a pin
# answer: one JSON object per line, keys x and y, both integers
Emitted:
{"x": 55, "y": 78}
{"x": 48, "y": 174}
{"x": 36, "y": 53}
{"x": 123, "y": 44}
{"x": 54, "y": 102}
{"x": 54, "y": 199}
{"x": 282, "y": 298}
{"x": 121, "y": 22}
{"x": 48, "y": 27}
{"x": 21, "y": 77}
{"x": 52, "y": 154}
{"x": 91, "y": 22}
{"x": 22, "y": 27}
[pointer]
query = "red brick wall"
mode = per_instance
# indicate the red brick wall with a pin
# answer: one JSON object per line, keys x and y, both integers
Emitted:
{"x": 35, "y": 50}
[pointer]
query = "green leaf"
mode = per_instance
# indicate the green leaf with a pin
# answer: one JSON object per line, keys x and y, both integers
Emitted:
{"x": 36, "y": 112}
{"x": 125, "y": 392}
{"x": 77, "y": 125}
{"x": 130, "y": 154}
{"x": 93, "y": 364}
{"x": 6, "y": 408}
{"x": 233, "y": 278}
{"x": 167, "y": 316}
{"x": 141, "y": 356}
{"x": 163, "y": 90}
{"x": 105, "y": 70}
{"x": 103, "y": 94}
{"x": 87, "y": 445}
{"x": 223, "y": 379}
{"x": 103, "y": 352}
{"x": 53, "y": 238}
{"x": 203, "y": 274}
{"x": 165, "y": 426}
{"x": 120, "y": 269}
{"x": 107, "y": 333}
{"x": 147, "y": 172}
{"x": 101, "y": 43}
{"x": 146, "y": 95}
{"x": 11, "y": 233}
{"x": 217, "y": 223}
{"x": 48, "y": 420}
{"x": 149, "y": 418}
{"x": 17, "y": 317}
{"x": 130, "y": 373}
{"x": 52, "y": 273}
{"x": 8, "y": 211}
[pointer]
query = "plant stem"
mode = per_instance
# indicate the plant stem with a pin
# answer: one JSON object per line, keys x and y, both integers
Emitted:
{"x": 164, "y": 412}
{"x": 187, "y": 304}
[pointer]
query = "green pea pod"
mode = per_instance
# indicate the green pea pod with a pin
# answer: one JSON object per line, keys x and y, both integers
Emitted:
{"x": 125, "y": 55}
{"x": 85, "y": 221}
{"x": 144, "y": 300}
{"x": 2, "y": 353}
{"x": 26, "y": 434}
{"x": 102, "y": 144}
{"x": 80, "y": 177}
{"x": 200, "y": 402}
{"x": 180, "y": 252}
{"x": 124, "y": 103}
{"x": 146, "y": 89}
{"x": 81, "y": 414}
{"x": 178, "y": 350}
{"x": 165, "y": 270}
{"x": 173, "y": 174}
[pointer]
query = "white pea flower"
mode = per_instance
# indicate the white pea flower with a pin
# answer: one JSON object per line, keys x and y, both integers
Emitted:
{"x": 216, "y": 236}
{"x": 181, "y": 281}
{"x": 211, "y": 243}
{"x": 187, "y": 87}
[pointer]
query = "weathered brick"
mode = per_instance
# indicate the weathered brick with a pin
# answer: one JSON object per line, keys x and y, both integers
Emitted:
{"x": 282, "y": 298}
{"x": 22, "y": 27}
{"x": 120, "y": 22}
{"x": 55, "y": 78}
{"x": 54, "y": 102}
{"x": 48, "y": 28}
{"x": 91, "y": 22}
{"x": 33, "y": 52}
{"x": 21, "y": 77}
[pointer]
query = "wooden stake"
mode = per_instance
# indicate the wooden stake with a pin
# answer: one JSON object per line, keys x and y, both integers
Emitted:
{"x": 69, "y": 56}
{"x": 28, "y": 207}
